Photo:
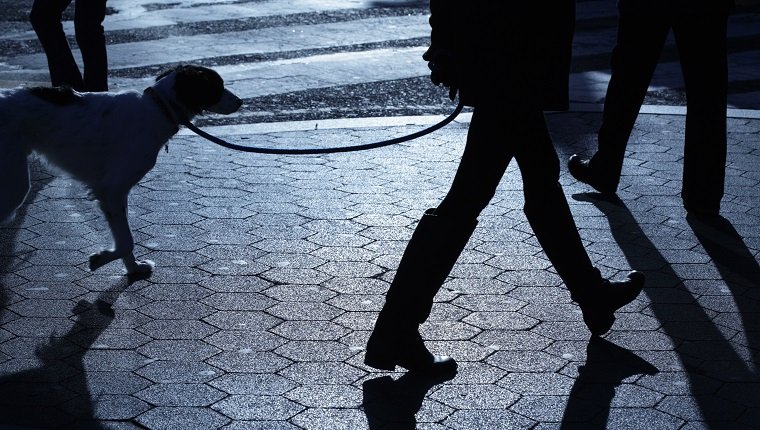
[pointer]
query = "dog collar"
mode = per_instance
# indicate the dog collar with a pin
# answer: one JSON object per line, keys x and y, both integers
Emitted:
{"x": 165, "y": 107}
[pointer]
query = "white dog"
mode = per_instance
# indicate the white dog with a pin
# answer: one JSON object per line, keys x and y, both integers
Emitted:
{"x": 108, "y": 141}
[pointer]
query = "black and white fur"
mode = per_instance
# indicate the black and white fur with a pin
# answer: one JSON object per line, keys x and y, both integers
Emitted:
{"x": 109, "y": 141}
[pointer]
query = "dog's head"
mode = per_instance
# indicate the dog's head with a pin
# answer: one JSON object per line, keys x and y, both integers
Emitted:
{"x": 196, "y": 89}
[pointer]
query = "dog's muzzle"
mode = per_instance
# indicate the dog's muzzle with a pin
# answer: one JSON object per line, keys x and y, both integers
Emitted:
{"x": 227, "y": 104}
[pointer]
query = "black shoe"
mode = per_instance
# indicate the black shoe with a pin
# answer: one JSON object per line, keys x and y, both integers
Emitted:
{"x": 386, "y": 350}
{"x": 599, "y": 304}
{"x": 581, "y": 170}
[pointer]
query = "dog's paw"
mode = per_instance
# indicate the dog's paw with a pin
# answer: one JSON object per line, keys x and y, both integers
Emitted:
{"x": 141, "y": 267}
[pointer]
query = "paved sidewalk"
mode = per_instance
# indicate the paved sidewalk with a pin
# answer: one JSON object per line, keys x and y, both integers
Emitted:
{"x": 271, "y": 270}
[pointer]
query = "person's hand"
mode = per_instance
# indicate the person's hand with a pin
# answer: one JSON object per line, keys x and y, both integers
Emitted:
{"x": 443, "y": 69}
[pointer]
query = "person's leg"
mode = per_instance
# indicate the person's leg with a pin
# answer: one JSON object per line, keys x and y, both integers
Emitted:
{"x": 90, "y": 35}
{"x": 45, "y": 18}
{"x": 438, "y": 239}
{"x": 641, "y": 35}
{"x": 549, "y": 215}
{"x": 701, "y": 40}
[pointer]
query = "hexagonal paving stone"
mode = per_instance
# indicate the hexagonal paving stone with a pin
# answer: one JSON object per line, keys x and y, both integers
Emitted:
{"x": 110, "y": 338}
{"x": 315, "y": 351}
{"x": 256, "y": 407}
{"x": 175, "y": 292}
{"x": 295, "y": 276}
{"x": 326, "y": 396}
{"x": 526, "y": 361}
{"x": 198, "y": 394}
{"x": 490, "y": 418}
{"x": 109, "y": 360}
{"x": 178, "y": 350}
{"x": 249, "y": 361}
{"x": 299, "y": 293}
{"x": 235, "y": 284}
{"x": 501, "y": 320}
{"x": 41, "y": 327}
{"x": 239, "y": 301}
{"x": 310, "y": 330}
{"x": 332, "y": 419}
{"x": 235, "y": 267}
{"x": 176, "y": 309}
{"x": 114, "y": 382}
{"x": 322, "y": 373}
{"x": 253, "y": 383}
{"x": 43, "y": 308}
{"x": 237, "y": 320}
{"x": 173, "y": 418}
{"x": 169, "y": 372}
{"x": 475, "y": 396}
{"x": 177, "y": 329}
{"x": 118, "y": 407}
{"x": 250, "y": 340}
{"x": 304, "y": 311}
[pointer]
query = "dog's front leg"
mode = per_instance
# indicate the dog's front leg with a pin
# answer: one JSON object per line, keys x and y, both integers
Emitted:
{"x": 115, "y": 211}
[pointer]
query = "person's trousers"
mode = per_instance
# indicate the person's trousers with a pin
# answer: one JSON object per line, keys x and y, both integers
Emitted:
{"x": 699, "y": 29}
{"x": 46, "y": 16}
{"x": 495, "y": 137}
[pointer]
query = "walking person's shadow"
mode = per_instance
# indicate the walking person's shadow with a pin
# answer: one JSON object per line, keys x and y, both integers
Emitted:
{"x": 738, "y": 268}
{"x": 392, "y": 404}
{"x": 607, "y": 366}
{"x": 716, "y": 347}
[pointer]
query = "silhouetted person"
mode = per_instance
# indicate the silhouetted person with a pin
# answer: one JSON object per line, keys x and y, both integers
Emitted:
{"x": 468, "y": 41}
{"x": 46, "y": 16}
{"x": 699, "y": 27}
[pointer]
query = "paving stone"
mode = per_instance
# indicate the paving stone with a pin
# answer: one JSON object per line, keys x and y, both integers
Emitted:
{"x": 178, "y": 372}
{"x": 489, "y": 418}
{"x": 271, "y": 269}
{"x": 310, "y": 330}
{"x": 180, "y": 394}
{"x": 322, "y": 373}
{"x": 249, "y": 361}
{"x": 253, "y": 384}
{"x": 245, "y": 340}
{"x": 181, "y": 417}
{"x": 257, "y": 407}
{"x": 326, "y": 396}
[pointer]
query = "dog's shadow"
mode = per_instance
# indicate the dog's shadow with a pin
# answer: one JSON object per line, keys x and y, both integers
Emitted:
{"x": 56, "y": 395}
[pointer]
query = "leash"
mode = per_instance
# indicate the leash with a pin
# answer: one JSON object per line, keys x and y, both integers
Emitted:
{"x": 293, "y": 151}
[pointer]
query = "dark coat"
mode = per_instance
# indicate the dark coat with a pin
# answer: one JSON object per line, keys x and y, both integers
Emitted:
{"x": 507, "y": 52}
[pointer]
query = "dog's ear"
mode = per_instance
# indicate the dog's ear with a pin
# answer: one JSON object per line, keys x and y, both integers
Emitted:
{"x": 197, "y": 88}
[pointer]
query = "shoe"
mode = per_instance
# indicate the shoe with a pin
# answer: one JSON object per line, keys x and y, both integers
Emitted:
{"x": 581, "y": 170}
{"x": 599, "y": 304}
{"x": 386, "y": 350}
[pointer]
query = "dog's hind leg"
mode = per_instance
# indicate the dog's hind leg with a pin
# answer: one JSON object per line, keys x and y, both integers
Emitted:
{"x": 115, "y": 211}
{"x": 14, "y": 183}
